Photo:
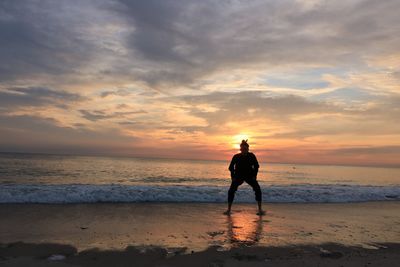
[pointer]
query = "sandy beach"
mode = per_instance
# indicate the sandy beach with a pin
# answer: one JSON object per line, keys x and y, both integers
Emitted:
{"x": 178, "y": 234}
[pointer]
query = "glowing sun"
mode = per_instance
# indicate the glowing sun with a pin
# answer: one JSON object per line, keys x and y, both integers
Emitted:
{"x": 237, "y": 139}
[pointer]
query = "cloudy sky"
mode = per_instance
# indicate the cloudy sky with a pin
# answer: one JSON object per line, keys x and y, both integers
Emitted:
{"x": 305, "y": 81}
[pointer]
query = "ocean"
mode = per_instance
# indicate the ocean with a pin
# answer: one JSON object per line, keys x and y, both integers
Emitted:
{"x": 41, "y": 178}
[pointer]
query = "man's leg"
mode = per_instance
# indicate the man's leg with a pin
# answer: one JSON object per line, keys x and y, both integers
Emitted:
{"x": 231, "y": 192}
{"x": 258, "y": 194}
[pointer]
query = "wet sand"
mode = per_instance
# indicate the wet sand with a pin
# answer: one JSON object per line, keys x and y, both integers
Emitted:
{"x": 188, "y": 230}
{"x": 21, "y": 254}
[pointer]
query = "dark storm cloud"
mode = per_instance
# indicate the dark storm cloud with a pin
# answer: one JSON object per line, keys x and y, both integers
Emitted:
{"x": 36, "y": 96}
{"x": 155, "y": 33}
{"x": 181, "y": 41}
{"x": 43, "y": 38}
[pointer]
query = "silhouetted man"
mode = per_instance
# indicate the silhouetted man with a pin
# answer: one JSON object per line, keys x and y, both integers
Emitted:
{"x": 244, "y": 168}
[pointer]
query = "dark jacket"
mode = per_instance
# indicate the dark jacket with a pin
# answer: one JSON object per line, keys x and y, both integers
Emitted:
{"x": 244, "y": 166}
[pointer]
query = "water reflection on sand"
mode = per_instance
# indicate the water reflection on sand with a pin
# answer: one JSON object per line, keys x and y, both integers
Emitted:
{"x": 244, "y": 229}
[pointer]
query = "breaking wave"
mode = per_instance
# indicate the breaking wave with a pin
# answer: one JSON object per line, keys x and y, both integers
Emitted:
{"x": 85, "y": 193}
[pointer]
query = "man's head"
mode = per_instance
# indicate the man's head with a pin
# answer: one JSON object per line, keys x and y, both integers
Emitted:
{"x": 244, "y": 147}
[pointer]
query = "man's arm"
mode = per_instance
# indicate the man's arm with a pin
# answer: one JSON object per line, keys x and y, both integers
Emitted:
{"x": 255, "y": 165}
{"x": 232, "y": 166}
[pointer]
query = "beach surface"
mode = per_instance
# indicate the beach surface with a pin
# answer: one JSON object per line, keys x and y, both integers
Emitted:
{"x": 181, "y": 234}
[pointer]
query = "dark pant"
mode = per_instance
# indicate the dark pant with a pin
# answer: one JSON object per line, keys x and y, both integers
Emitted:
{"x": 238, "y": 181}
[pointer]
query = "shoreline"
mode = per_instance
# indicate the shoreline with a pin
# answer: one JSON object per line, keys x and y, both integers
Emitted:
{"x": 198, "y": 234}
{"x": 266, "y": 203}
{"x": 200, "y": 225}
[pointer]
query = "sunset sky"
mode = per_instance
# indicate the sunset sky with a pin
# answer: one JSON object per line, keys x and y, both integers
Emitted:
{"x": 305, "y": 81}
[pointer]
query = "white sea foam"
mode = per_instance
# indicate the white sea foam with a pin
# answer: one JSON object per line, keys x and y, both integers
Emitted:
{"x": 78, "y": 193}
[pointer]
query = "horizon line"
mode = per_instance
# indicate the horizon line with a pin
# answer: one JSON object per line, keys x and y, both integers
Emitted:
{"x": 194, "y": 159}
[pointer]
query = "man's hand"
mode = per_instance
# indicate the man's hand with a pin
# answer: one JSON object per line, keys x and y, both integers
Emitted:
{"x": 232, "y": 175}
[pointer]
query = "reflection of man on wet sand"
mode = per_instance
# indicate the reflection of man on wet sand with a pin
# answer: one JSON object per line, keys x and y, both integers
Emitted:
{"x": 243, "y": 230}
{"x": 244, "y": 168}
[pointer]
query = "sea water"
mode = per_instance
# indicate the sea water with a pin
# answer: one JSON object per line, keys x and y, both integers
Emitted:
{"x": 41, "y": 178}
